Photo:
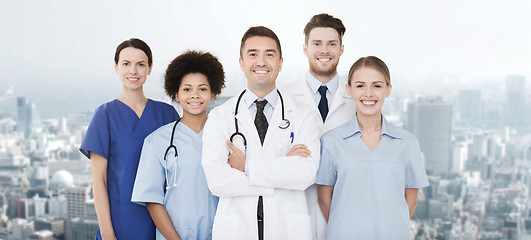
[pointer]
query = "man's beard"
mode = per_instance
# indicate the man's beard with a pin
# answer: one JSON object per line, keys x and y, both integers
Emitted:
{"x": 323, "y": 73}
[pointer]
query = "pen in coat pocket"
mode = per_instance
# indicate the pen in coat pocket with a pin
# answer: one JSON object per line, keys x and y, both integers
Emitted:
{"x": 292, "y": 136}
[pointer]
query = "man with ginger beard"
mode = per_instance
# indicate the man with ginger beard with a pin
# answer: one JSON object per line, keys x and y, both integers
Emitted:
{"x": 325, "y": 92}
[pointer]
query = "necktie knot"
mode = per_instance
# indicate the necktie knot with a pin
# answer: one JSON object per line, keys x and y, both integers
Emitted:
{"x": 322, "y": 90}
{"x": 260, "y": 105}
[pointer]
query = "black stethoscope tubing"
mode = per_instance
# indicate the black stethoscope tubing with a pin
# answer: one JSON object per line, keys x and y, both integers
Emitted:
{"x": 285, "y": 122}
{"x": 166, "y": 153}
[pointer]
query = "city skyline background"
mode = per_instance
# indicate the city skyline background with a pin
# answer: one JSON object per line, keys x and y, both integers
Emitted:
{"x": 459, "y": 71}
{"x": 60, "y": 54}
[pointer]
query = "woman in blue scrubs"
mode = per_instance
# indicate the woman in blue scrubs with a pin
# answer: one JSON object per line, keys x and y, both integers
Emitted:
{"x": 113, "y": 142}
{"x": 370, "y": 170}
{"x": 170, "y": 180}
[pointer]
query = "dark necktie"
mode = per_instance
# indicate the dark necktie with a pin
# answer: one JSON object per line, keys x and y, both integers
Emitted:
{"x": 260, "y": 120}
{"x": 323, "y": 104}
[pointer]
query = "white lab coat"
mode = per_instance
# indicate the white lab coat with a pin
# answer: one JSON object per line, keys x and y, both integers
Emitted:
{"x": 281, "y": 180}
{"x": 341, "y": 111}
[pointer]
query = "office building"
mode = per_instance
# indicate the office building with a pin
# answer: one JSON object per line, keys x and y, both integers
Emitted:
{"x": 515, "y": 100}
{"x": 430, "y": 120}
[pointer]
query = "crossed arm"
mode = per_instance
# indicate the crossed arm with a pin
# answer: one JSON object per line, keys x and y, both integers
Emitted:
{"x": 237, "y": 157}
{"x": 225, "y": 165}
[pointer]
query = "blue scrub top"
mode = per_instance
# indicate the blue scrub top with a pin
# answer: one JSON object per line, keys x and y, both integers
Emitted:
{"x": 116, "y": 133}
{"x": 368, "y": 200}
{"x": 190, "y": 205}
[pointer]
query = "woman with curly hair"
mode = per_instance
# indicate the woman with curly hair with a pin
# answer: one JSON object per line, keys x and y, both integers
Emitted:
{"x": 170, "y": 180}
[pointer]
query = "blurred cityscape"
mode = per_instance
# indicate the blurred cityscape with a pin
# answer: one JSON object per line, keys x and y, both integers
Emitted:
{"x": 476, "y": 145}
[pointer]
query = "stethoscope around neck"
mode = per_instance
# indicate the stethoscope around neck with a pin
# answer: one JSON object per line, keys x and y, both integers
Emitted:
{"x": 168, "y": 187}
{"x": 283, "y": 124}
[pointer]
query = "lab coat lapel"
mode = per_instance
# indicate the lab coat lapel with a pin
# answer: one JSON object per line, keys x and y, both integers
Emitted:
{"x": 301, "y": 92}
{"x": 276, "y": 119}
{"x": 340, "y": 98}
{"x": 246, "y": 124}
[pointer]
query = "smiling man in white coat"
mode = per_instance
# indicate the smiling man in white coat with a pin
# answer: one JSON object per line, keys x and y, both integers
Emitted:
{"x": 261, "y": 151}
{"x": 325, "y": 91}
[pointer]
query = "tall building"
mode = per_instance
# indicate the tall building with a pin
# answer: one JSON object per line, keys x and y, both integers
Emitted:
{"x": 25, "y": 208}
{"x": 28, "y": 120}
{"x": 75, "y": 201}
{"x": 469, "y": 105}
{"x": 430, "y": 119}
{"x": 479, "y": 147}
{"x": 21, "y": 228}
{"x": 459, "y": 157}
{"x": 39, "y": 205}
{"x": 57, "y": 206}
{"x": 85, "y": 227}
{"x": 515, "y": 104}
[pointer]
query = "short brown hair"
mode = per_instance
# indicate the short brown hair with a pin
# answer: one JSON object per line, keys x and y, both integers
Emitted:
{"x": 260, "y": 31}
{"x": 324, "y": 20}
{"x": 371, "y": 62}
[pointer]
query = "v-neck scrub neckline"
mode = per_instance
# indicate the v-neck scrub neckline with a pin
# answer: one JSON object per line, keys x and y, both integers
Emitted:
{"x": 117, "y": 133}
{"x": 189, "y": 203}
{"x": 369, "y": 186}
{"x": 132, "y": 110}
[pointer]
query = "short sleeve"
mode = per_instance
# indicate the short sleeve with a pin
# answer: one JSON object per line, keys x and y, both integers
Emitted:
{"x": 327, "y": 173}
{"x": 415, "y": 173}
{"x": 149, "y": 182}
{"x": 175, "y": 116}
{"x": 170, "y": 114}
{"x": 97, "y": 138}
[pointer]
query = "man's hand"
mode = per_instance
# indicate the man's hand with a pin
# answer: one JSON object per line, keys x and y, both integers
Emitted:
{"x": 236, "y": 158}
{"x": 299, "y": 150}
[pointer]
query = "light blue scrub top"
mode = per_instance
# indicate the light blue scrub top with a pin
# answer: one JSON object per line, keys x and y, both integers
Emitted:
{"x": 368, "y": 200}
{"x": 190, "y": 206}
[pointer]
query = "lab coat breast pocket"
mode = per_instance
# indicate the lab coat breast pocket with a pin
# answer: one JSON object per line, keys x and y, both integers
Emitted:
{"x": 283, "y": 141}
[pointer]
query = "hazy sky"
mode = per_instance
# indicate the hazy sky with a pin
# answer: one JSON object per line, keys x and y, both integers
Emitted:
{"x": 60, "y": 53}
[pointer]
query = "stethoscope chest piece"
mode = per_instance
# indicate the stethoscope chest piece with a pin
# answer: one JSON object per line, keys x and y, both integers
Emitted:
{"x": 284, "y": 124}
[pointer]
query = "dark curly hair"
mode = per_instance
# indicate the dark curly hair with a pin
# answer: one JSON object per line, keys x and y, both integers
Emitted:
{"x": 194, "y": 62}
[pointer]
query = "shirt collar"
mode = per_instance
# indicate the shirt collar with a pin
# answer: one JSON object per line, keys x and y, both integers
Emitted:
{"x": 314, "y": 83}
{"x": 353, "y": 128}
{"x": 388, "y": 129}
{"x": 250, "y": 97}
